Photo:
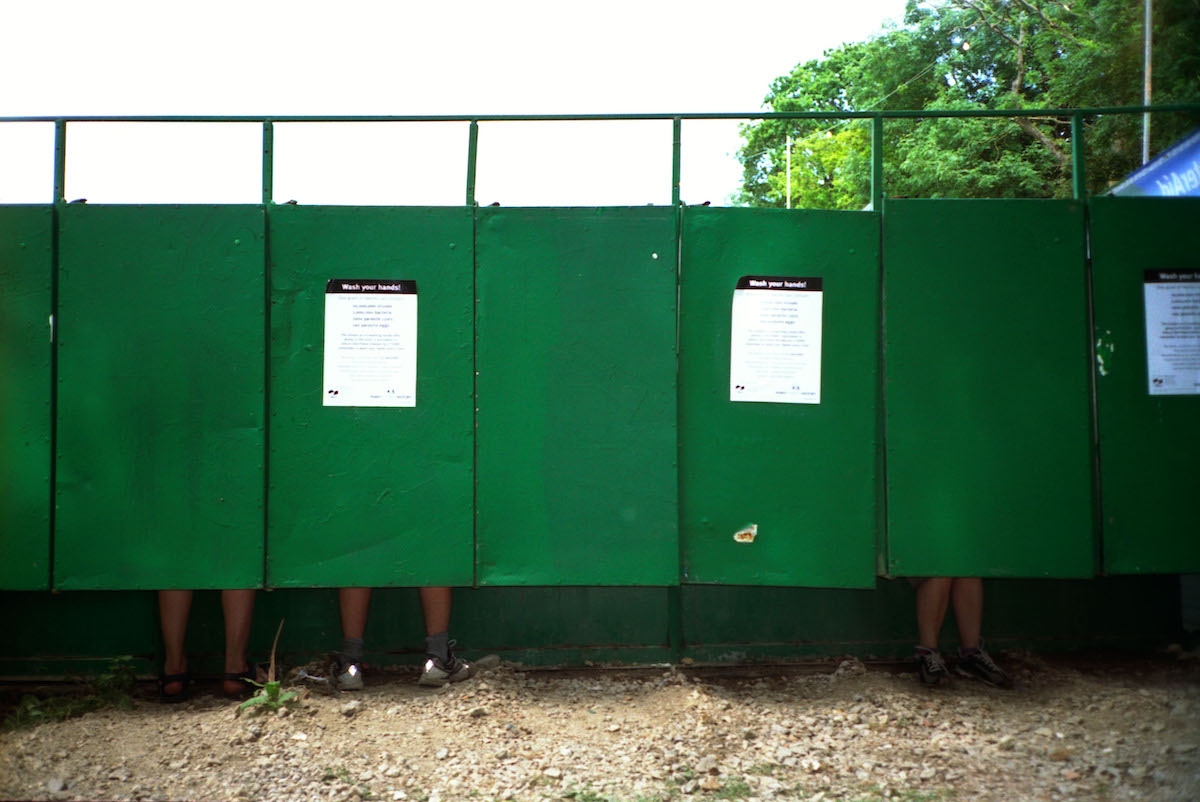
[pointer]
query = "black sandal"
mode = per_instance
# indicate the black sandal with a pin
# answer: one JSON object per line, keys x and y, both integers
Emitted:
{"x": 185, "y": 681}
{"x": 240, "y": 676}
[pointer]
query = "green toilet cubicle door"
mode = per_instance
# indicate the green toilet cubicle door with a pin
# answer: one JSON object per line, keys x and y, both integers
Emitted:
{"x": 26, "y": 271}
{"x": 576, "y": 396}
{"x": 988, "y": 425}
{"x": 1146, "y": 291}
{"x": 371, "y": 408}
{"x": 779, "y": 367}
{"x": 161, "y": 367}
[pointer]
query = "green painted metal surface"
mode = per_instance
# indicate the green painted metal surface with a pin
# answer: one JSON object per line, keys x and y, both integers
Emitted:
{"x": 371, "y": 495}
{"x": 989, "y": 464}
{"x": 53, "y": 634}
{"x": 576, "y": 397}
{"x": 1149, "y": 444}
{"x": 805, "y": 474}
{"x": 161, "y": 368}
{"x": 26, "y": 270}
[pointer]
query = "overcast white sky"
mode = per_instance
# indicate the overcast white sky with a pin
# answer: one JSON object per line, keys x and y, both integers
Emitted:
{"x": 263, "y": 57}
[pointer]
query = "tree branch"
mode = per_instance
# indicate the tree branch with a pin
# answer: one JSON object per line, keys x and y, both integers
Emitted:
{"x": 1019, "y": 75}
{"x": 1060, "y": 155}
{"x": 1036, "y": 10}
{"x": 983, "y": 16}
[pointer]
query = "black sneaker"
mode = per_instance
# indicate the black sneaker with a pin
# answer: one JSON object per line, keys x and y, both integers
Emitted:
{"x": 931, "y": 668}
{"x": 979, "y": 665}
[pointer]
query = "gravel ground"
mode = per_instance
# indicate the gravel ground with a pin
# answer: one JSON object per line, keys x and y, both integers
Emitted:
{"x": 1068, "y": 730}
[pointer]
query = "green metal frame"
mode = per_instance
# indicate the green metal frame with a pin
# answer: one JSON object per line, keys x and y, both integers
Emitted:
{"x": 877, "y": 118}
{"x": 720, "y": 623}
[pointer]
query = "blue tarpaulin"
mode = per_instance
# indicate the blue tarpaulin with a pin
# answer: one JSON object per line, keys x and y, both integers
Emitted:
{"x": 1173, "y": 173}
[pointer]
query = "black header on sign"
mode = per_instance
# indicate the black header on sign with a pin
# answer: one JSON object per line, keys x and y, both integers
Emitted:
{"x": 779, "y": 283}
{"x": 1170, "y": 276}
{"x": 367, "y": 285}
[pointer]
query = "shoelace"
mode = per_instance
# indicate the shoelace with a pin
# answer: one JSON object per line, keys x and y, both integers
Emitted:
{"x": 933, "y": 662}
{"x": 986, "y": 659}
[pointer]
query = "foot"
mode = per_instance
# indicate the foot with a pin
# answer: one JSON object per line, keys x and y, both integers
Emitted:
{"x": 348, "y": 675}
{"x": 174, "y": 684}
{"x": 978, "y": 664}
{"x": 234, "y": 685}
{"x": 437, "y": 672}
{"x": 931, "y": 668}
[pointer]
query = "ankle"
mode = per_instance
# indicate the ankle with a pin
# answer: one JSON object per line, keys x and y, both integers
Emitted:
{"x": 352, "y": 650}
{"x": 236, "y": 666}
{"x": 438, "y": 645}
{"x": 176, "y": 666}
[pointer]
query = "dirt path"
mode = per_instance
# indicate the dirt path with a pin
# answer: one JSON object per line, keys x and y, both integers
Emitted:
{"x": 1066, "y": 732}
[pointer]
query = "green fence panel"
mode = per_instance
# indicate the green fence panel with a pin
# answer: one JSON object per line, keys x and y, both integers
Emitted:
{"x": 371, "y": 495}
{"x": 50, "y": 635}
{"x": 161, "y": 367}
{"x": 989, "y": 464}
{"x": 26, "y": 270}
{"x": 804, "y": 475}
{"x": 1149, "y": 434}
{"x": 576, "y": 397}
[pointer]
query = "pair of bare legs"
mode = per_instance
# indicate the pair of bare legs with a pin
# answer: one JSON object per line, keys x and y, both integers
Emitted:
{"x": 936, "y": 595}
{"x": 354, "y": 603}
{"x": 174, "y": 607}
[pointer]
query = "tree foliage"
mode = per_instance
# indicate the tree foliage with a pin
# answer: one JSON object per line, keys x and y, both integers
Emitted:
{"x": 1031, "y": 55}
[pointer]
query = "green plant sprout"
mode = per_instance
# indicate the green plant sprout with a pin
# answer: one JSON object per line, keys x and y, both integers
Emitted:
{"x": 269, "y": 693}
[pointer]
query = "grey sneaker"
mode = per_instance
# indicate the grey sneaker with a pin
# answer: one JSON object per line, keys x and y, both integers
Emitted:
{"x": 979, "y": 665}
{"x": 931, "y": 668}
{"x": 437, "y": 672}
{"x": 349, "y": 677}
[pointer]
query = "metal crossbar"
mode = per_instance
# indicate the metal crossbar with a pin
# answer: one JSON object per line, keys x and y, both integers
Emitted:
{"x": 877, "y": 118}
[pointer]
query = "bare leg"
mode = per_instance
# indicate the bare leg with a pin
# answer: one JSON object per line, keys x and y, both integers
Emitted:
{"x": 354, "y": 603}
{"x": 173, "y": 609}
{"x": 435, "y": 605}
{"x": 933, "y": 599}
{"x": 238, "y": 607}
{"x": 966, "y": 595}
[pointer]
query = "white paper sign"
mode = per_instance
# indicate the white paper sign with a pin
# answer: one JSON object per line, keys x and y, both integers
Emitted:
{"x": 1173, "y": 331}
{"x": 775, "y": 346}
{"x": 370, "y": 343}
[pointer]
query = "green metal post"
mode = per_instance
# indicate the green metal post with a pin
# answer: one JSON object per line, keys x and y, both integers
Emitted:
{"x": 268, "y": 162}
{"x": 472, "y": 156}
{"x": 877, "y": 163}
{"x": 60, "y": 197}
{"x": 676, "y": 130}
{"x": 675, "y": 638}
{"x": 1078, "y": 174}
{"x": 60, "y": 161}
{"x": 268, "y": 193}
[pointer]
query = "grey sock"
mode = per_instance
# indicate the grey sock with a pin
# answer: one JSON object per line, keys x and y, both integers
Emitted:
{"x": 438, "y": 646}
{"x": 352, "y": 650}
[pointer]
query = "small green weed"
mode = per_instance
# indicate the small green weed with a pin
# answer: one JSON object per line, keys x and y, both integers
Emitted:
{"x": 584, "y": 795}
{"x": 269, "y": 693}
{"x": 330, "y": 774}
{"x": 110, "y": 689}
{"x": 912, "y": 795}
{"x": 686, "y": 773}
{"x": 734, "y": 789}
{"x": 588, "y": 795}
